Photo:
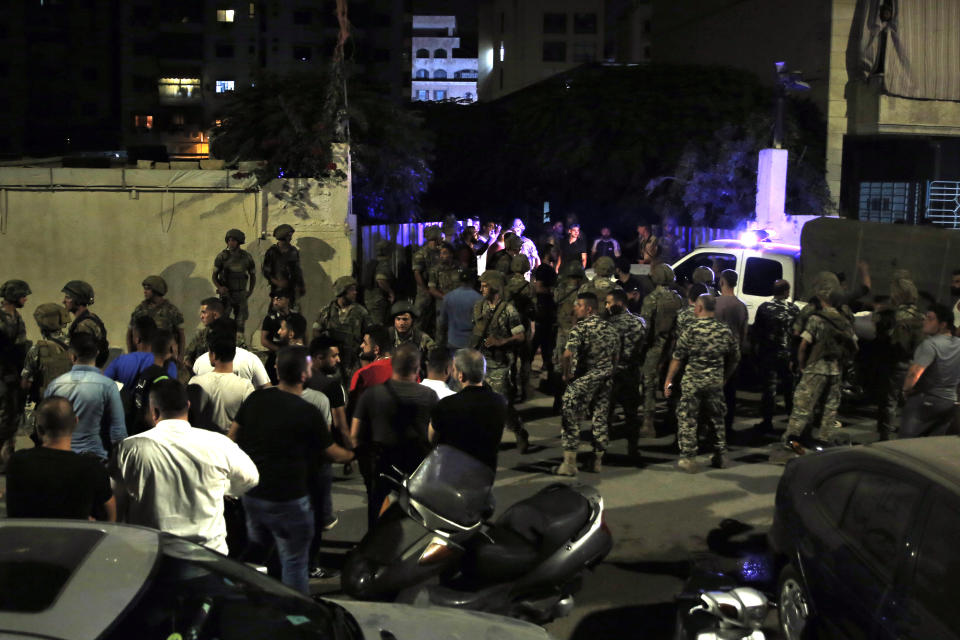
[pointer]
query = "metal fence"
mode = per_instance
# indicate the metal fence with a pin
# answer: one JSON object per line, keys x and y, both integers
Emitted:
{"x": 943, "y": 203}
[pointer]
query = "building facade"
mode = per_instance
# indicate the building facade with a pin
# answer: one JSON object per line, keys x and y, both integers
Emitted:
{"x": 522, "y": 43}
{"x": 437, "y": 70}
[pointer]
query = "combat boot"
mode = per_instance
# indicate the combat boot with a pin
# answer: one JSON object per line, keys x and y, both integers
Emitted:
{"x": 719, "y": 461}
{"x": 523, "y": 439}
{"x": 688, "y": 464}
{"x": 647, "y": 430}
{"x": 597, "y": 466}
{"x": 569, "y": 466}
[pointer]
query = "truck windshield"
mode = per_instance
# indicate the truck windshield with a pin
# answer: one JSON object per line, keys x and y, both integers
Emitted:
{"x": 759, "y": 276}
{"x": 716, "y": 260}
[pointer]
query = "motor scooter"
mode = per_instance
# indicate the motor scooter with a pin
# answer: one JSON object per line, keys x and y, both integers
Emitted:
{"x": 433, "y": 543}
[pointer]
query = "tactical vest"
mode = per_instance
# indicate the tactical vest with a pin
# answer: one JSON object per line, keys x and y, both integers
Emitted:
{"x": 53, "y": 357}
{"x": 907, "y": 333}
{"x": 233, "y": 272}
{"x": 665, "y": 317}
{"x": 836, "y": 345}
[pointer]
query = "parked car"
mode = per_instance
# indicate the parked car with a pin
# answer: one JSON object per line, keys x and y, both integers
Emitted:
{"x": 83, "y": 580}
{"x": 865, "y": 536}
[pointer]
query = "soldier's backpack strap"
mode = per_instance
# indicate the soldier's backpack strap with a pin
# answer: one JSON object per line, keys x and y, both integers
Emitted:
{"x": 484, "y": 329}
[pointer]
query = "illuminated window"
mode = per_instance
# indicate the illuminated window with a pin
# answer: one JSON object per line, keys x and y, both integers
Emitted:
{"x": 218, "y": 123}
{"x": 440, "y": 94}
{"x": 225, "y": 15}
{"x": 502, "y": 51}
{"x": 179, "y": 89}
{"x": 422, "y": 94}
{"x": 225, "y": 85}
{"x": 422, "y": 73}
{"x": 143, "y": 121}
{"x": 253, "y": 9}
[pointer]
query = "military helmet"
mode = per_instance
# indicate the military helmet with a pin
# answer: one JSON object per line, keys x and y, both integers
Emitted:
{"x": 903, "y": 291}
{"x": 494, "y": 279}
{"x": 513, "y": 243}
{"x": 432, "y": 232}
{"x": 571, "y": 269}
{"x": 283, "y": 232}
{"x": 825, "y": 283}
{"x": 519, "y": 264}
{"x": 603, "y": 266}
{"x": 703, "y": 275}
{"x": 402, "y": 306}
{"x": 51, "y": 316}
{"x": 382, "y": 247}
{"x": 13, "y": 290}
{"x": 661, "y": 274}
{"x": 342, "y": 284}
{"x": 235, "y": 233}
{"x": 80, "y": 291}
{"x": 157, "y": 284}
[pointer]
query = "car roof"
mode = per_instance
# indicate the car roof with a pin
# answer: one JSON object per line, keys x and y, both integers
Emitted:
{"x": 112, "y": 560}
{"x": 779, "y": 248}
{"x": 937, "y": 455}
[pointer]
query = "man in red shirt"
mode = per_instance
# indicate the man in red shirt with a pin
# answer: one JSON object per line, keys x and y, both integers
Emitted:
{"x": 375, "y": 353}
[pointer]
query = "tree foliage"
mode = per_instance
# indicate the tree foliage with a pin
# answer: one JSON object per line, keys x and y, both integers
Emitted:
{"x": 290, "y": 122}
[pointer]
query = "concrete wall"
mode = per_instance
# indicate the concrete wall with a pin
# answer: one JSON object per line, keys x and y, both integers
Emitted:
{"x": 115, "y": 236}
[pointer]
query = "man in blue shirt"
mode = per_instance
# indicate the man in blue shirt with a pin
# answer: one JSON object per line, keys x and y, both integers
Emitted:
{"x": 458, "y": 312}
{"x": 127, "y": 368}
{"x": 94, "y": 397}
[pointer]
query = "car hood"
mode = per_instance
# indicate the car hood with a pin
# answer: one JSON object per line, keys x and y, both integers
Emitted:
{"x": 408, "y": 622}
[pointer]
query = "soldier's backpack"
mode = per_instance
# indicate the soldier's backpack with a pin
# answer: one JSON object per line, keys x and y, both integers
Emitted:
{"x": 666, "y": 315}
{"x": 907, "y": 332}
{"x": 837, "y": 343}
{"x": 53, "y": 356}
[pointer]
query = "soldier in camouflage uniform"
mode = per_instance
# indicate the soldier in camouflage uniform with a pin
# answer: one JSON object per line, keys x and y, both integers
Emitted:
{"x": 686, "y": 315}
{"x": 424, "y": 259}
{"x": 773, "y": 340}
{"x": 704, "y": 275}
{"x": 234, "y": 276}
{"x": 511, "y": 248}
{"x": 520, "y": 293}
{"x": 826, "y": 341}
{"x": 899, "y": 332}
{"x": 13, "y": 350}
{"x": 344, "y": 320}
{"x": 571, "y": 277}
{"x": 443, "y": 278}
{"x": 497, "y": 331}
{"x": 403, "y": 331}
{"x": 659, "y": 312}
{"x": 281, "y": 266}
{"x": 626, "y": 379}
{"x": 710, "y": 354}
{"x": 210, "y": 309}
{"x": 589, "y": 360}
{"x": 601, "y": 284}
{"x": 379, "y": 297}
{"x": 77, "y": 296}
{"x": 163, "y": 312}
{"x": 50, "y": 356}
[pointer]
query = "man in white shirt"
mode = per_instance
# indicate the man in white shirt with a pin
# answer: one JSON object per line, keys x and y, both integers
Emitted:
{"x": 220, "y": 392}
{"x": 174, "y": 477}
{"x": 245, "y": 364}
{"x": 438, "y": 372}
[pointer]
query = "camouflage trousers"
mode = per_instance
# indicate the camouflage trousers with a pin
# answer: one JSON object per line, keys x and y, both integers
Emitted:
{"x": 626, "y": 393}
{"x": 651, "y": 379}
{"x": 560, "y": 345}
{"x": 378, "y": 305}
{"x": 696, "y": 403}
{"x": 775, "y": 372}
{"x": 815, "y": 391}
{"x": 423, "y": 308}
{"x": 890, "y": 392}
{"x": 583, "y": 396}
{"x": 498, "y": 378}
{"x": 235, "y": 306}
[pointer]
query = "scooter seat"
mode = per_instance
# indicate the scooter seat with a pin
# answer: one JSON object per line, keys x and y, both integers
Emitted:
{"x": 499, "y": 555}
{"x": 548, "y": 518}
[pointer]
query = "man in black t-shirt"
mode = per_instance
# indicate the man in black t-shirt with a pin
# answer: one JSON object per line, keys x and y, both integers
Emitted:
{"x": 390, "y": 425}
{"x": 473, "y": 419}
{"x": 285, "y": 436}
{"x": 51, "y": 481}
{"x": 138, "y": 419}
{"x": 572, "y": 249}
{"x": 279, "y": 309}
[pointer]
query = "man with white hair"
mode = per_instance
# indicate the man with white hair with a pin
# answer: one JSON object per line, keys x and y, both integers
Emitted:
{"x": 528, "y": 248}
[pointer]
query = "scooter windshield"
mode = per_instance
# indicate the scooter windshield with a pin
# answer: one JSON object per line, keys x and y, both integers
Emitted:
{"x": 453, "y": 484}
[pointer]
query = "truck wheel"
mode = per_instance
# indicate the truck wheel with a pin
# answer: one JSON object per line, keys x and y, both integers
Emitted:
{"x": 793, "y": 605}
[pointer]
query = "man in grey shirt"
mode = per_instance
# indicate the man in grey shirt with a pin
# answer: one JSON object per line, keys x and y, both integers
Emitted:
{"x": 931, "y": 382}
{"x": 732, "y": 312}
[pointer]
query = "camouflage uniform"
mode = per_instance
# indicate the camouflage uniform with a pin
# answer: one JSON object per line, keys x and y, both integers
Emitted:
{"x": 416, "y": 337}
{"x": 445, "y": 278}
{"x": 626, "y": 380}
{"x": 377, "y": 302}
{"x": 772, "y": 335}
{"x": 424, "y": 260}
{"x": 500, "y": 321}
{"x": 819, "y": 387}
{"x": 284, "y": 265}
{"x": 520, "y": 293}
{"x": 233, "y": 268}
{"x": 13, "y": 342}
{"x": 49, "y": 357}
{"x": 685, "y": 318}
{"x": 659, "y": 311}
{"x": 565, "y": 294}
{"x": 709, "y": 351}
{"x": 601, "y": 284}
{"x": 200, "y": 345}
{"x": 165, "y": 314}
{"x": 595, "y": 345}
{"x": 346, "y": 326}
{"x": 899, "y": 332}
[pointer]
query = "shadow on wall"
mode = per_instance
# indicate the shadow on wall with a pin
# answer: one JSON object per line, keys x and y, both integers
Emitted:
{"x": 187, "y": 288}
{"x": 313, "y": 252}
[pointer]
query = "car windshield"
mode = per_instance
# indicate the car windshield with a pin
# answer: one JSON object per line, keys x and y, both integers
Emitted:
{"x": 196, "y": 593}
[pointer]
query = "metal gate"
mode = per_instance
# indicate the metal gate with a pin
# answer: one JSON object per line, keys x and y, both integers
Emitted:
{"x": 943, "y": 203}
